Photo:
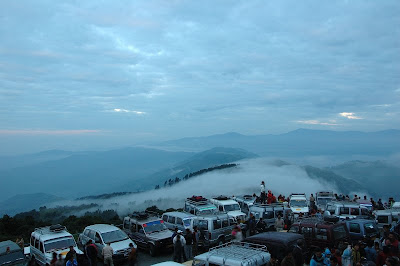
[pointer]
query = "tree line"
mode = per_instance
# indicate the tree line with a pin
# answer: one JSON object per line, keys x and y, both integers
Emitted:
{"x": 176, "y": 180}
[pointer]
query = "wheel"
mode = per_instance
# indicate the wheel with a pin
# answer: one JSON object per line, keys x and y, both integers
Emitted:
{"x": 152, "y": 250}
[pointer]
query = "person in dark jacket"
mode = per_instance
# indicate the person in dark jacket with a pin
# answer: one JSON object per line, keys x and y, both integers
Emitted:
{"x": 91, "y": 253}
{"x": 252, "y": 225}
{"x": 288, "y": 260}
{"x": 298, "y": 253}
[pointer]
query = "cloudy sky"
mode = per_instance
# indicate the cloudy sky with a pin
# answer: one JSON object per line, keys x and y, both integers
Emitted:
{"x": 87, "y": 74}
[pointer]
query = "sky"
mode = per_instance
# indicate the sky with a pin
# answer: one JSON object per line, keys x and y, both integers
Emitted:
{"x": 97, "y": 74}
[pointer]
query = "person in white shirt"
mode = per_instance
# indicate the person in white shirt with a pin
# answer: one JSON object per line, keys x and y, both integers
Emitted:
{"x": 179, "y": 243}
{"x": 262, "y": 195}
{"x": 107, "y": 253}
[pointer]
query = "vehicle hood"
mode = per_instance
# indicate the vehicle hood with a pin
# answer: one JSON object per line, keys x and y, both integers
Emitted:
{"x": 160, "y": 235}
{"x": 121, "y": 245}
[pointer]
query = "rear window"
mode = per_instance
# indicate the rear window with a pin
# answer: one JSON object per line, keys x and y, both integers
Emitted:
{"x": 217, "y": 224}
{"x": 339, "y": 232}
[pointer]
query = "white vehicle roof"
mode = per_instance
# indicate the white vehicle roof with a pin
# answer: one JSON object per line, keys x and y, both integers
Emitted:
{"x": 234, "y": 253}
{"x": 224, "y": 202}
{"x": 182, "y": 215}
{"x": 44, "y": 233}
{"x": 396, "y": 205}
{"x": 102, "y": 228}
{"x": 349, "y": 204}
{"x": 325, "y": 194}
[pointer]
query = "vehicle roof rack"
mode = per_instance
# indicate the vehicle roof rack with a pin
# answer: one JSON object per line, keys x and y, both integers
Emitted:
{"x": 139, "y": 215}
{"x": 242, "y": 251}
{"x": 222, "y": 197}
{"x": 56, "y": 228}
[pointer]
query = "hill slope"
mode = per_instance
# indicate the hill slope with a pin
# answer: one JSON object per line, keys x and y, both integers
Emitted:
{"x": 26, "y": 202}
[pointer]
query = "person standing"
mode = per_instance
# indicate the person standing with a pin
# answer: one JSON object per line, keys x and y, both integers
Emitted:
{"x": 279, "y": 224}
{"x": 107, "y": 253}
{"x": 71, "y": 262}
{"x": 71, "y": 253}
{"x": 196, "y": 237}
{"x": 189, "y": 244}
{"x": 179, "y": 243}
{"x": 54, "y": 259}
{"x": 262, "y": 194}
{"x": 91, "y": 253}
{"x": 60, "y": 261}
{"x": 132, "y": 255}
{"x": 252, "y": 224}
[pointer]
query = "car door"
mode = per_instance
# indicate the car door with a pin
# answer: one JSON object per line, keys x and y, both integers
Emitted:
{"x": 98, "y": 241}
{"x": 355, "y": 231}
{"x": 139, "y": 236}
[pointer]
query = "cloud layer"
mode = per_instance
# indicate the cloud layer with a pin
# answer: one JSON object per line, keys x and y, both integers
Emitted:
{"x": 198, "y": 67}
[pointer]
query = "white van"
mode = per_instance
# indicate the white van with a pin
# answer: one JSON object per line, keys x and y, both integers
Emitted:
{"x": 181, "y": 220}
{"x": 46, "y": 240}
{"x": 298, "y": 203}
{"x": 230, "y": 206}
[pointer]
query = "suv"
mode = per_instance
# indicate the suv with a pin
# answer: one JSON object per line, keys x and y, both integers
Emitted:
{"x": 181, "y": 220}
{"x": 11, "y": 254}
{"x": 101, "y": 234}
{"x": 215, "y": 229}
{"x": 322, "y": 198}
{"x": 298, "y": 203}
{"x": 245, "y": 254}
{"x": 198, "y": 205}
{"x": 345, "y": 210}
{"x": 245, "y": 202}
{"x": 319, "y": 233}
{"x": 269, "y": 212}
{"x": 149, "y": 232}
{"x": 46, "y": 240}
{"x": 362, "y": 229}
{"x": 230, "y": 206}
{"x": 278, "y": 243}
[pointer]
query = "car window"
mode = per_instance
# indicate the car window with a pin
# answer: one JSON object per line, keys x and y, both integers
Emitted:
{"x": 220, "y": 208}
{"x": 268, "y": 215}
{"x": 245, "y": 208}
{"x": 321, "y": 233}
{"x": 86, "y": 232}
{"x": 41, "y": 247}
{"x": 279, "y": 213}
{"x": 339, "y": 232}
{"x": 32, "y": 241}
{"x": 344, "y": 210}
{"x": 37, "y": 243}
{"x": 355, "y": 211}
{"x": 307, "y": 232}
{"x": 165, "y": 218}
{"x": 383, "y": 219}
{"x": 202, "y": 224}
{"x": 370, "y": 228}
{"x": 217, "y": 224}
{"x": 355, "y": 228}
{"x": 126, "y": 223}
{"x": 133, "y": 227}
{"x": 179, "y": 221}
{"x": 171, "y": 219}
{"x": 91, "y": 234}
{"x": 331, "y": 208}
{"x": 364, "y": 211}
{"x": 294, "y": 229}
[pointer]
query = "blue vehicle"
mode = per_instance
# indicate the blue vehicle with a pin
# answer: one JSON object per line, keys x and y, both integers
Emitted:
{"x": 362, "y": 229}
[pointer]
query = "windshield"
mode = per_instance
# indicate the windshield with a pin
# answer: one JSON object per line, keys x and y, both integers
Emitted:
{"x": 114, "y": 236}
{"x": 324, "y": 201}
{"x": 206, "y": 211}
{"x": 62, "y": 243}
{"x": 153, "y": 227}
{"x": 369, "y": 228}
{"x": 232, "y": 207}
{"x": 383, "y": 219}
{"x": 298, "y": 203}
{"x": 187, "y": 222}
{"x": 339, "y": 232}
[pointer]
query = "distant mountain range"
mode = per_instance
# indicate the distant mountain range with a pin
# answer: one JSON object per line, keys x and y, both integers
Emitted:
{"x": 301, "y": 142}
{"x": 25, "y": 202}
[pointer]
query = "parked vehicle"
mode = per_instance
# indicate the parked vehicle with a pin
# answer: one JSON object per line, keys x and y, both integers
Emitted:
{"x": 245, "y": 202}
{"x": 270, "y": 212}
{"x": 385, "y": 218}
{"x": 199, "y": 205}
{"x": 322, "y": 198}
{"x": 215, "y": 229}
{"x": 181, "y": 220}
{"x": 365, "y": 203}
{"x": 362, "y": 229}
{"x": 11, "y": 254}
{"x": 245, "y": 254}
{"x": 46, "y": 240}
{"x": 278, "y": 242}
{"x": 230, "y": 206}
{"x": 298, "y": 203}
{"x": 345, "y": 210}
{"x": 320, "y": 233}
{"x": 101, "y": 234}
{"x": 149, "y": 232}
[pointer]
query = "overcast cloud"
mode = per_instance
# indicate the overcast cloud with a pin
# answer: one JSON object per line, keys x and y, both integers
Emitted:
{"x": 106, "y": 73}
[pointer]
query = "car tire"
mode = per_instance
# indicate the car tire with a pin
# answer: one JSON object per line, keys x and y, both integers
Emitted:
{"x": 152, "y": 250}
{"x": 220, "y": 241}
